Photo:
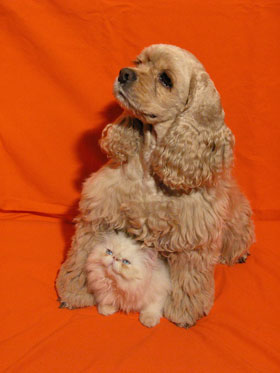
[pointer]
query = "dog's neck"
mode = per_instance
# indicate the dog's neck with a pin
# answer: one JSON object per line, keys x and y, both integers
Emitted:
{"x": 152, "y": 136}
{"x": 160, "y": 129}
{"x": 149, "y": 145}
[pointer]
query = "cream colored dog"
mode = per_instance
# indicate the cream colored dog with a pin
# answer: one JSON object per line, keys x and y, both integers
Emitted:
{"x": 168, "y": 183}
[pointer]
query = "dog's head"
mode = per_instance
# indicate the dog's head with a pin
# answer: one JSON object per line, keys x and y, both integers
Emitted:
{"x": 157, "y": 88}
{"x": 169, "y": 85}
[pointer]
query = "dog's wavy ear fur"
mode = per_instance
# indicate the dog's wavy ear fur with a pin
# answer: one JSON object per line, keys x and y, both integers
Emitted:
{"x": 122, "y": 139}
{"x": 198, "y": 146}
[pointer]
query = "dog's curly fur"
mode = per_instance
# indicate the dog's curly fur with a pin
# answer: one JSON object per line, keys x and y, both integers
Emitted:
{"x": 168, "y": 183}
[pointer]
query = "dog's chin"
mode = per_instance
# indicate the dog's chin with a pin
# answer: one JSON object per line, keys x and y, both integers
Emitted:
{"x": 126, "y": 104}
{"x": 132, "y": 108}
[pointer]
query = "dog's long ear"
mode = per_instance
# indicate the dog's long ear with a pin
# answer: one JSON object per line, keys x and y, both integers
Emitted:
{"x": 122, "y": 139}
{"x": 198, "y": 146}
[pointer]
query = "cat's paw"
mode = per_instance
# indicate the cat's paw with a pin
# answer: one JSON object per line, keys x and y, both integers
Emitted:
{"x": 149, "y": 319}
{"x": 106, "y": 309}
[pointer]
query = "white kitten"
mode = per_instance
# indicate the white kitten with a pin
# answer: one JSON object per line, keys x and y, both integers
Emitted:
{"x": 124, "y": 276}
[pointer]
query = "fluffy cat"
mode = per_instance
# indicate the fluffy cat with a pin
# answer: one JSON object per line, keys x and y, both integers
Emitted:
{"x": 125, "y": 276}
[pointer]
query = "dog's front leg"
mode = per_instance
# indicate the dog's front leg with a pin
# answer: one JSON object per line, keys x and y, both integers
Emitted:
{"x": 71, "y": 282}
{"x": 192, "y": 277}
{"x": 99, "y": 208}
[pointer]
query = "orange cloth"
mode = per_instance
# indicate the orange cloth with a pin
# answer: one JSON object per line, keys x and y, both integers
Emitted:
{"x": 58, "y": 63}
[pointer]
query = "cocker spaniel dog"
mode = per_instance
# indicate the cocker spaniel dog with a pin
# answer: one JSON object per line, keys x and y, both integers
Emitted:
{"x": 167, "y": 184}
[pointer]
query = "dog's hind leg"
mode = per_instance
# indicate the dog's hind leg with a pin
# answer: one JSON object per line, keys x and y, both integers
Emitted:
{"x": 238, "y": 233}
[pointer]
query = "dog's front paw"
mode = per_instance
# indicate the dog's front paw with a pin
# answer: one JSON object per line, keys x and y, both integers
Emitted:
{"x": 72, "y": 301}
{"x": 149, "y": 319}
{"x": 107, "y": 309}
{"x": 66, "y": 305}
{"x": 178, "y": 313}
{"x": 184, "y": 325}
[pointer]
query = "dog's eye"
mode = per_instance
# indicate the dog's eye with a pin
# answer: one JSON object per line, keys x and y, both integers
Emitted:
{"x": 165, "y": 80}
{"x": 125, "y": 261}
{"x": 109, "y": 252}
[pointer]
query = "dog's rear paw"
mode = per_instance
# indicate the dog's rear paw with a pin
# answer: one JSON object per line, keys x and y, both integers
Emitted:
{"x": 234, "y": 260}
{"x": 243, "y": 258}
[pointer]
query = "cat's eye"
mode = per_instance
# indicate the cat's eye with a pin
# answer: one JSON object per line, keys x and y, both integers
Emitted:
{"x": 125, "y": 261}
{"x": 109, "y": 252}
{"x": 165, "y": 80}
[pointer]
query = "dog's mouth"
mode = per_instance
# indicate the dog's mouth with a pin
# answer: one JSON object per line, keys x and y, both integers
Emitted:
{"x": 138, "y": 113}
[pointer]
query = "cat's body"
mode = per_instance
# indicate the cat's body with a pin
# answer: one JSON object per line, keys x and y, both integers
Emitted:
{"x": 124, "y": 276}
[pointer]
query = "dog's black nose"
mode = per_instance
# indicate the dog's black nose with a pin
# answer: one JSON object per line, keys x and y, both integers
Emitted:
{"x": 126, "y": 75}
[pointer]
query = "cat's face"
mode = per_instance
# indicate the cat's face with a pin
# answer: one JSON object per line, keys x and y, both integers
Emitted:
{"x": 123, "y": 258}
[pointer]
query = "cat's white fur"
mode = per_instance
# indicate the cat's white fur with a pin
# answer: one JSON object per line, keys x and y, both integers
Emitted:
{"x": 140, "y": 285}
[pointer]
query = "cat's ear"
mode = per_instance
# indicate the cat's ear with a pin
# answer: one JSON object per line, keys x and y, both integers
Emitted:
{"x": 151, "y": 254}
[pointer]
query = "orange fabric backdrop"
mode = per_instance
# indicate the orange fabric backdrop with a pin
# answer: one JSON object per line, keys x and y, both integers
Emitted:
{"x": 58, "y": 63}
